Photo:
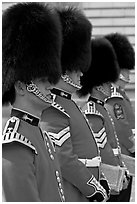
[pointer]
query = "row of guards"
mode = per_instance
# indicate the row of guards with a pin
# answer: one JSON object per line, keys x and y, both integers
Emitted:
{"x": 70, "y": 134}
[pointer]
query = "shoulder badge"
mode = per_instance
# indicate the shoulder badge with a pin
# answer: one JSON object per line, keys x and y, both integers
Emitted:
{"x": 10, "y": 133}
{"x": 60, "y": 108}
{"x": 90, "y": 108}
{"x": 115, "y": 93}
{"x": 118, "y": 111}
{"x": 12, "y": 125}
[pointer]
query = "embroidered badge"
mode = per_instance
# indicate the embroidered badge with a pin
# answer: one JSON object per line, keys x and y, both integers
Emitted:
{"x": 118, "y": 111}
{"x": 10, "y": 133}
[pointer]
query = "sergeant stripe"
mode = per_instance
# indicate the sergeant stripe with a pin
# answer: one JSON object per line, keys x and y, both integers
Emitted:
{"x": 60, "y": 134}
{"x": 101, "y": 145}
{"x": 99, "y": 134}
{"x": 63, "y": 139}
{"x": 101, "y": 138}
{"x": 60, "y": 137}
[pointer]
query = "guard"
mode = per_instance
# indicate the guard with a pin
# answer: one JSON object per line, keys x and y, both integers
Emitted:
{"x": 31, "y": 64}
{"x": 96, "y": 82}
{"x": 118, "y": 102}
{"x": 77, "y": 149}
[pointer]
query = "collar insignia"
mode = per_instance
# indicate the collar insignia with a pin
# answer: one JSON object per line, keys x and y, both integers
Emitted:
{"x": 96, "y": 100}
{"x": 61, "y": 93}
{"x": 25, "y": 116}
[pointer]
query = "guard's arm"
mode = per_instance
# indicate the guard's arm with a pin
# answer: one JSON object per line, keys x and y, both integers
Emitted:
{"x": 18, "y": 173}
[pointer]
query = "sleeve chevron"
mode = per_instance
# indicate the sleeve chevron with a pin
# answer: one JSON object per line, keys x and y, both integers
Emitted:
{"x": 61, "y": 136}
{"x": 101, "y": 138}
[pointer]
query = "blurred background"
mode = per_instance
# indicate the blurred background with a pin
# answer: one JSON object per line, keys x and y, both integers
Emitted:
{"x": 106, "y": 17}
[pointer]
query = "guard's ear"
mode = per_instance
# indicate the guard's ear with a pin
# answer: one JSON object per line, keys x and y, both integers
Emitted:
{"x": 20, "y": 87}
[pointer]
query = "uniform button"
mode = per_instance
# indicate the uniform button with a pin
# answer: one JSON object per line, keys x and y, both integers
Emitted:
{"x": 57, "y": 173}
{"x": 60, "y": 185}
{"x": 46, "y": 138}
{"x": 61, "y": 190}
{"x": 52, "y": 157}
{"x": 63, "y": 198}
{"x": 49, "y": 150}
{"x": 47, "y": 144}
{"x": 58, "y": 179}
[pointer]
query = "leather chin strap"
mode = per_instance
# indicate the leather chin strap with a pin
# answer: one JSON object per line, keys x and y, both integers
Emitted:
{"x": 66, "y": 78}
{"x": 32, "y": 88}
{"x": 123, "y": 78}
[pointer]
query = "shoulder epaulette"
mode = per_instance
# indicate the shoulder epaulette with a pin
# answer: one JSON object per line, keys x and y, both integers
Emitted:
{"x": 115, "y": 93}
{"x": 12, "y": 125}
{"x": 60, "y": 108}
{"x": 10, "y": 133}
{"x": 90, "y": 108}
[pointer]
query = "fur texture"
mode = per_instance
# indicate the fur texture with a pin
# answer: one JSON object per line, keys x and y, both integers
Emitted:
{"x": 104, "y": 67}
{"x": 31, "y": 44}
{"x": 76, "y": 50}
{"x": 124, "y": 50}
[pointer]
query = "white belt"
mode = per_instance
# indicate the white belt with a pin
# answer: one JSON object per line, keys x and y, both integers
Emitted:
{"x": 91, "y": 162}
{"x": 116, "y": 151}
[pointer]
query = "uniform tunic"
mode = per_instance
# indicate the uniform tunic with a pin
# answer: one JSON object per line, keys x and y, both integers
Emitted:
{"x": 116, "y": 107}
{"x": 113, "y": 141}
{"x": 109, "y": 127}
{"x": 128, "y": 109}
{"x": 30, "y": 171}
{"x": 74, "y": 140}
{"x": 98, "y": 124}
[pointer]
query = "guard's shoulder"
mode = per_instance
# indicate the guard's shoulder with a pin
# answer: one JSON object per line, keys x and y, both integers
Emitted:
{"x": 11, "y": 134}
{"x": 115, "y": 94}
{"x": 60, "y": 109}
{"x": 90, "y": 108}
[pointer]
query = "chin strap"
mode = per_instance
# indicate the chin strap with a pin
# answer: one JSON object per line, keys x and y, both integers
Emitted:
{"x": 32, "y": 88}
{"x": 66, "y": 78}
{"x": 123, "y": 78}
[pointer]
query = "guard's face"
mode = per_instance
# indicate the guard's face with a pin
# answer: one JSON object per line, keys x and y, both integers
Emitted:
{"x": 75, "y": 76}
{"x": 41, "y": 94}
{"x": 44, "y": 86}
{"x": 124, "y": 78}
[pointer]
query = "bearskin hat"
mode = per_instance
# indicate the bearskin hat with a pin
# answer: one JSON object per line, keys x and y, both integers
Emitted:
{"x": 76, "y": 50}
{"x": 31, "y": 45}
{"x": 124, "y": 50}
{"x": 104, "y": 67}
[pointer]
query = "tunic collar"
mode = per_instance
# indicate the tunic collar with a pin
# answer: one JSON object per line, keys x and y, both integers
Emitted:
{"x": 96, "y": 100}
{"x": 27, "y": 117}
{"x": 61, "y": 93}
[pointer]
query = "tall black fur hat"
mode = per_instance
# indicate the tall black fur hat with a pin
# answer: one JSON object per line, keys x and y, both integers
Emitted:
{"x": 124, "y": 50}
{"x": 104, "y": 66}
{"x": 31, "y": 45}
{"x": 76, "y": 50}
